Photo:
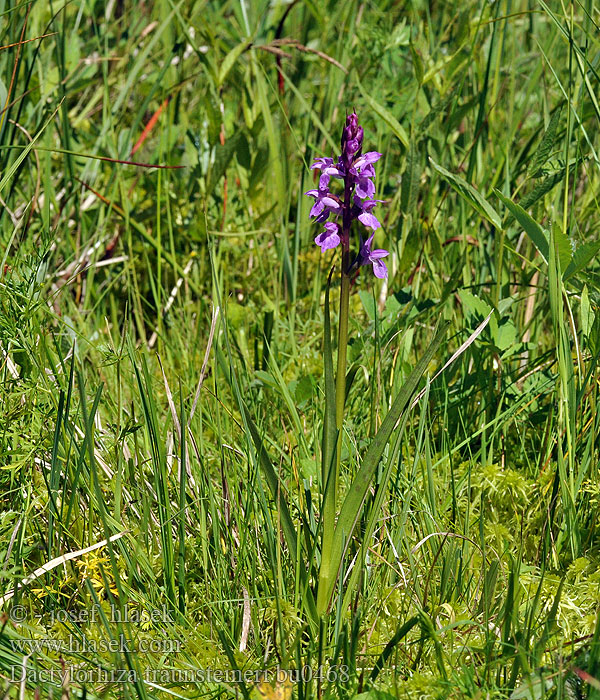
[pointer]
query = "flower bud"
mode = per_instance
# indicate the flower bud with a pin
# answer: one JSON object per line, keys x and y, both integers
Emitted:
{"x": 352, "y": 138}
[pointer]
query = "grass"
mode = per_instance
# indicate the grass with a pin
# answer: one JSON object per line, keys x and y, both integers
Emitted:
{"x": 162, "y": 317}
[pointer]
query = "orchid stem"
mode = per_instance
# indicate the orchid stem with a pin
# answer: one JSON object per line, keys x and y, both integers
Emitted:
{"x": 327, "y": 576}
{"x": 340, "y": 382}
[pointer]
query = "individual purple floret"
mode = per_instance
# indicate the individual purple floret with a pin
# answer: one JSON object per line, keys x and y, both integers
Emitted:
{"x": 373, "y": 257}
{"x": 362, "y": 171}
{"x": 363, "y": 212}
{"x": 326, "y": 166}
{"x": 329, "y": 238}
{"x": 357, "y": 171}
{"x": 325, "y": 202}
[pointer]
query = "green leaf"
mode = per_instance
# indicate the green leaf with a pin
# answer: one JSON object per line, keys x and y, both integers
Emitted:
{"x": 581, "y": 257}
{"x": 532, "y": 688}
{"x": 401, "y": 632}
{"x": 563, "y": 247}
{"x": 543, "y": 188}
{"x": 530, "y": 226}
{"x": 368, "y": 302}
{"x": 230, "y": 59}
{"x": 223, "y": 156}
{"x": 303, "y": 389}
{"x": 417, "y": 64}
{"x": 470, "y": 195}
{"x": 374, "y": 694}
{"x": 504, "y": 335}
{"x": 474, "y": 305}
{"x": 397, "y": 128}
{"x": 543, "y": 152}
{"x": 585, "y": 311}
{"x": 355, "y": 498}
{"x": 410, "y": 180}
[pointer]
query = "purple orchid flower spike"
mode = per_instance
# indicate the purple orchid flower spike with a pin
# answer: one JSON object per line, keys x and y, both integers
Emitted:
{"x": 356, "y": 170}
{"x": 367, "y": 256}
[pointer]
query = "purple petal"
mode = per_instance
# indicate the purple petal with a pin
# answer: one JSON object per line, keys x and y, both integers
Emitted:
{"x": 333, "y": 171}
{"x": 329, "y": 238}
{"x": 352, "y": 146}
{"x": 365, "y": 188}
{"x": 378, "y": 253}
{"x": 368, "y": 220}
{"x": 367, "y": 159}
{"x": 321, "y": 163}
{"x": 365, "y": 248}
{"x": 379, "y": 269}
{"x": 317, "y": 208}
{"x": 368, "y": 204}
{"x": 332, "y": 204}
{"x": 312, "y": 193}
{"x": 324, "y": 181}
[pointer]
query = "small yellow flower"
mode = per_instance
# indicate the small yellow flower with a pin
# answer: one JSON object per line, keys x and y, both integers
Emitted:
{"x": 281, "y": 691}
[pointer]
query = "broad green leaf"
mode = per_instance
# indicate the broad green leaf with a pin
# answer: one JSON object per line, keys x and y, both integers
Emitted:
{"x": 564, "y": 250}
{"x": 581, "y": 257}
{"x": 368, "y": 302}
{"x": 532, "y": 688}
{"x": 543, "y": 187}
{"x": 530, "y": 226}
{"x": 504, "y": 335}
{"x": 474, "y": 305}
{"x": 397, "y": 128}
{"x": 470, "y": 195}
{"x": 230, "y": 59}
{"x": 374, "y": 694}
{"x": 543, "y": 152}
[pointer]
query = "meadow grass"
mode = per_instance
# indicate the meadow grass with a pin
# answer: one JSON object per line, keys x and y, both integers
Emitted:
{"x": 163, "y": 348}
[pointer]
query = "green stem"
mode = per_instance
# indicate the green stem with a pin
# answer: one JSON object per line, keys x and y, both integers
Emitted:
{"x": 340, "y": 380}
{"x": 327, "y": 574}
{"x": 329, "y": 569}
